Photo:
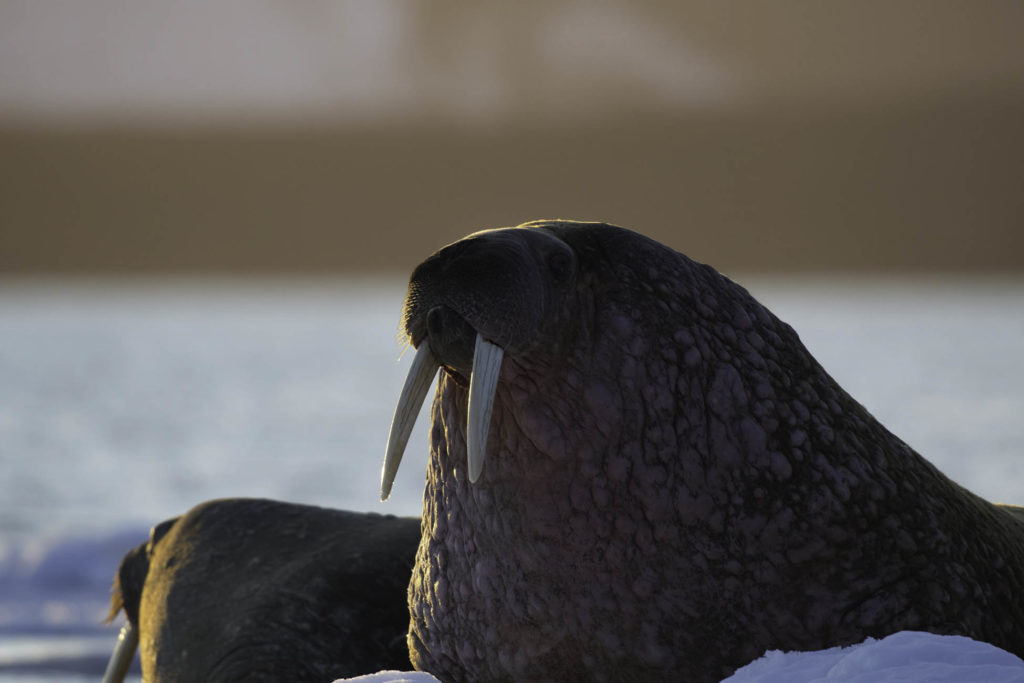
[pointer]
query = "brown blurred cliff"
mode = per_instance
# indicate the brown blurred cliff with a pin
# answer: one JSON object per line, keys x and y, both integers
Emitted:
{"x": 854, "y": 137}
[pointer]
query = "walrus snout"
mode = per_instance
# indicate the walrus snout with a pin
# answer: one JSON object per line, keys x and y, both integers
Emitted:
{"x": 468, "y": 304}
{"x": 503, "y": 283}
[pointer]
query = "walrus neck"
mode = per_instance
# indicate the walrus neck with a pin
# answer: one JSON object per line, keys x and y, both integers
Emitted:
{"x": 465, "y": 556}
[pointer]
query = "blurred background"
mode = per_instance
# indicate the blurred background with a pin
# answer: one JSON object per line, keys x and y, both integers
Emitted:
{"x": 319, "y": 136}
{"x": 208, "y": 210}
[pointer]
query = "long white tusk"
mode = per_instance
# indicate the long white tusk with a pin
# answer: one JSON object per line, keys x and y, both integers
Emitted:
{"x": 121, "y": 657}
{"x": 421, "y": 374}
{"x": 482, "y": 383}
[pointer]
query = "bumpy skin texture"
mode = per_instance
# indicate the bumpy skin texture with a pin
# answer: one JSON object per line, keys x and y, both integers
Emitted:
{"x": 257, "y": 590}
{"x": 673, "y": 484}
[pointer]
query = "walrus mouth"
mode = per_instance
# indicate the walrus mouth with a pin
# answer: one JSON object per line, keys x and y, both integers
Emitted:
{"x": 483, "y": 380}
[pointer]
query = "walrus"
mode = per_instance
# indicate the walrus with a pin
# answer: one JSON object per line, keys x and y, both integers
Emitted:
{"x": 636, "y": 471}
{"x": 261, "y": 590}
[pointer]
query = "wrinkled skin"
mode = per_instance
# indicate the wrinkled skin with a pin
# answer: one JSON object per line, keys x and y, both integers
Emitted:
{"x": 257, "y": 590}
{"x": 673, "y": 485}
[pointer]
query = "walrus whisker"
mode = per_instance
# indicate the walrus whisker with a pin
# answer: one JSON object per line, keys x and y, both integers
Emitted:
{"x": 482, "y": 383}
{"x": 421, "y": 374}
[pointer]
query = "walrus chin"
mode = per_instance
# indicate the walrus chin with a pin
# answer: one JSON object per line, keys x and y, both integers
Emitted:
{"x": 483, "y": 381}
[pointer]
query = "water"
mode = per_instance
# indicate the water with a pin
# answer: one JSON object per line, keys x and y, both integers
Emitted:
{"x": 126, "y": 402}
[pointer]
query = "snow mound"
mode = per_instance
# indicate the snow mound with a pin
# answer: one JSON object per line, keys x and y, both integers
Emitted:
{"x": 392, "y": 677}
{"x": 905, "y": 657}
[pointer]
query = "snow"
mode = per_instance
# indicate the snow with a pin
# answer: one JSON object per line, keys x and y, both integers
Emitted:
{"x": 905, "y": 657}
{"x": 393, "y": 677}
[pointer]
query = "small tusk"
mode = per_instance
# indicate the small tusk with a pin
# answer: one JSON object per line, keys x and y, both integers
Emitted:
{"x": 421, "y": 374}
{"x": 121, "y": 657}
{"x": 482, "y": 384}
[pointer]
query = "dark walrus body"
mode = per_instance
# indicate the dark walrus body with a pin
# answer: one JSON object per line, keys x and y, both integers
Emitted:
{"x": 257, "y": 590}
{"x": 672, "y": 484}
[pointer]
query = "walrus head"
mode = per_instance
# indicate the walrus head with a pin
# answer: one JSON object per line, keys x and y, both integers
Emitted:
{"x": 635, "y": 469}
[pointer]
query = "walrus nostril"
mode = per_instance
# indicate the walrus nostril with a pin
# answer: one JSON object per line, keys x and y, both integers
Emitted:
{"x": 436, "y": 321}
{"x": 451, "y": 338}
{"x": 446, "y": 326}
